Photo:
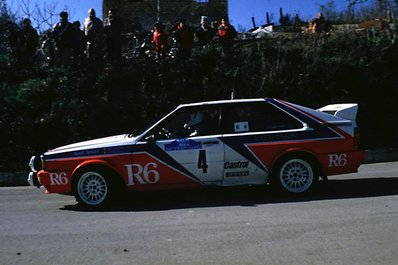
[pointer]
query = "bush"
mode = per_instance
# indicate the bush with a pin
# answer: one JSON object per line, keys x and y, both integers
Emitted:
{"x": 42, "y": 109}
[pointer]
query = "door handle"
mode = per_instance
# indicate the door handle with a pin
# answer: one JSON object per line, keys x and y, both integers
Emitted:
{"x": 210, "y": 142}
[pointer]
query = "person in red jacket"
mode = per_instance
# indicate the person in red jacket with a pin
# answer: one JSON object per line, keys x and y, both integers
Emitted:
{"x": 227, "y": 35}
{"x": 159, "y": 40}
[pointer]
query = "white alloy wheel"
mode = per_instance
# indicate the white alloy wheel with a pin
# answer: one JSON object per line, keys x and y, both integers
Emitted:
{"x": 92, "y": 188}
{"x": 296, "y": 175}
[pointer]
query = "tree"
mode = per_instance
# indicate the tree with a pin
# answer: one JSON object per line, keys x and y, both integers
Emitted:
{"x": 42, "y": 14}
{"x": 5, "y": 13}
{"x": 329, "y": 11}
{"x": 7, "y": 28}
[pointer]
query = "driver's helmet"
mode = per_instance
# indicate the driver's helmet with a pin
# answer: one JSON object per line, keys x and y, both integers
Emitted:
{"x": 196, "y": 118}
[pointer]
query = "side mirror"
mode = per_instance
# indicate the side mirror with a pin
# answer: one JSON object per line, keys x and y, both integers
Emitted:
{"x": 150, "y": 139}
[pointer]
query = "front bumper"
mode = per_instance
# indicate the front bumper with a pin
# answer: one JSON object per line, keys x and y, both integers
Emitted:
{"x": 32, "y": 180}
{"x": 35, "y": 166}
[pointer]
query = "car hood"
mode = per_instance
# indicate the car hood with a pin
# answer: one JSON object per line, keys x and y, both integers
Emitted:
{"x": 111, "y": 141}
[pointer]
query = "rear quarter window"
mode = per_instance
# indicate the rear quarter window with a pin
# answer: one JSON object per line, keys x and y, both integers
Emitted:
{"x": 257, "y": 117}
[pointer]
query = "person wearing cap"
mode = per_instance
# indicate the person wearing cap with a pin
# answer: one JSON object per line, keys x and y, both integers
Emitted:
{"x": 29, "y": 42}
{"x": 227, "y": 35}
{"x": 93, "y": 30}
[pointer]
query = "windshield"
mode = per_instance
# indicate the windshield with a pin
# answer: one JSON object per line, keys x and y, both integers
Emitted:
{"x": 139, "y": 131}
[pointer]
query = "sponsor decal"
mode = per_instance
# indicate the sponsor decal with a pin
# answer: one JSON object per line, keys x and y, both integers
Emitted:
{"x": 337, "y": 160}
{"x": 183, "y": 144}
{"x": 242, "y": 126}
{"x": 275, "y": 137}
{"x": 237, "y": 174}
{"x": 58, "y": 178}
{"x": 142, "y": 174}
{"x": 236, "y": 164}
{"x": 86, "y": 152}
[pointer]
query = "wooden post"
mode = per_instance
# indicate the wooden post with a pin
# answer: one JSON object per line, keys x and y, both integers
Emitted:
{"x": 254, "y": 22}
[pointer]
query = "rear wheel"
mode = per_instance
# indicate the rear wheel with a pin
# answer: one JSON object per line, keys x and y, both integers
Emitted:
{"x": 296, "y": 175}
{"x": 93, "y": 189}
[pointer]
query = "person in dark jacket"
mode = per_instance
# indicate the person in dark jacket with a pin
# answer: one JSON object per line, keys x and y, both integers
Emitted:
{"x": 113, "y": 36}
{"x": 227, "y": 35}
{"x": 184, "y": 38}
{"x": 29, "y": 43}
{"x": 78, "y": 44}
{"x": 63, "y": 38}
{"x": 46, "y": 50}
{"x": 205, "y": 33}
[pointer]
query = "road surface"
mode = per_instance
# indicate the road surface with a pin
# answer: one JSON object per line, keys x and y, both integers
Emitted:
{"x": 352, "y": 219}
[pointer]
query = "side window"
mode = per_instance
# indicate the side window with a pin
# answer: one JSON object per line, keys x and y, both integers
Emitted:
{"x": 257, "y": 117}
{"x": 189, "y": 122}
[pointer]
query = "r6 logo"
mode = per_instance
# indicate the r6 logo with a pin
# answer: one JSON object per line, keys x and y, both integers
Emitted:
{"x": 58, "y": 178}
{"x": 337, "y": 160}
{"x": 144, "y": 175}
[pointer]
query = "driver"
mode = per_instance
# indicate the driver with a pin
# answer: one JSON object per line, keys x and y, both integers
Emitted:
{"x": 200, "y": 123}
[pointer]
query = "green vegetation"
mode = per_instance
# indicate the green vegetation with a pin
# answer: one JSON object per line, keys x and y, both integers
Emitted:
{"x": 43, "y": 108}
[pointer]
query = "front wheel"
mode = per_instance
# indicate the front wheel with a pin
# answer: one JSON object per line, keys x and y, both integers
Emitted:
{"x": 296, "y": 175}
{"x": 93, "y": 189}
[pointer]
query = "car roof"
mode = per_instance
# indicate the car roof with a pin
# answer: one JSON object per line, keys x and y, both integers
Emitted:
{"x": 217, "y": 102}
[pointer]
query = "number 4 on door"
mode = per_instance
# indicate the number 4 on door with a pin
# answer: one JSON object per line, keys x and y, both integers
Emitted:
{"x": 202, "y": 161}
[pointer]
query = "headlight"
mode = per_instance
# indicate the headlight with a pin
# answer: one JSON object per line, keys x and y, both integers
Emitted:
{"x": 32, "y": 164}
{"x": 36, "y": 163}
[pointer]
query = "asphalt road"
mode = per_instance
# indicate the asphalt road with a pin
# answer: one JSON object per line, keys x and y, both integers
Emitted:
{"x": 352, "y": 219}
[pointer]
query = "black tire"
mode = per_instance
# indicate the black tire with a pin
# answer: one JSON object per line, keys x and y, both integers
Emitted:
{"x": 93, "y": 188}
{"x": 296, "y": 175}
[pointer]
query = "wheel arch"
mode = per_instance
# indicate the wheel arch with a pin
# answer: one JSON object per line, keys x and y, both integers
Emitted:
{"x": 96, "y": 165}
{"x": 297, "y": 153}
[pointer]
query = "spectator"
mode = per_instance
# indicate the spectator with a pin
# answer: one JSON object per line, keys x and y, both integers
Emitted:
{"x": 205, "y": 33}
{"x": 79, "y": 44}
{"x": 29, "y": 42}
{"x": 214, "y": 25}
{"x": 113, "y": 34}
{"x": 63, "y": 35}
{"x": 47, "y": 48}
{"x": 184, "y": 39}
{"x": 317, "y": 25}
{"x": 93, "y": 30}
{"x": 159, "y": 40}
{"x": 227, "y": 35}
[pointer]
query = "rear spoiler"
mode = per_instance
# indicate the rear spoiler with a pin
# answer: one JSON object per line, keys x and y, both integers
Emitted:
{"x": 345, "y": 111}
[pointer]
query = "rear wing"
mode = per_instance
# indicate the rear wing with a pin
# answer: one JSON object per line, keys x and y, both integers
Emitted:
{"x": 345, "y": 111}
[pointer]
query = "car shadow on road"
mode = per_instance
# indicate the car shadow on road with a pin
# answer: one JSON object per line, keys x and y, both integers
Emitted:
{"x": 247, "y": 196}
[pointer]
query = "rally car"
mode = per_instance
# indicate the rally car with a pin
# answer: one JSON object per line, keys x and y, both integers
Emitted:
{"x": 218, "y": 143}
